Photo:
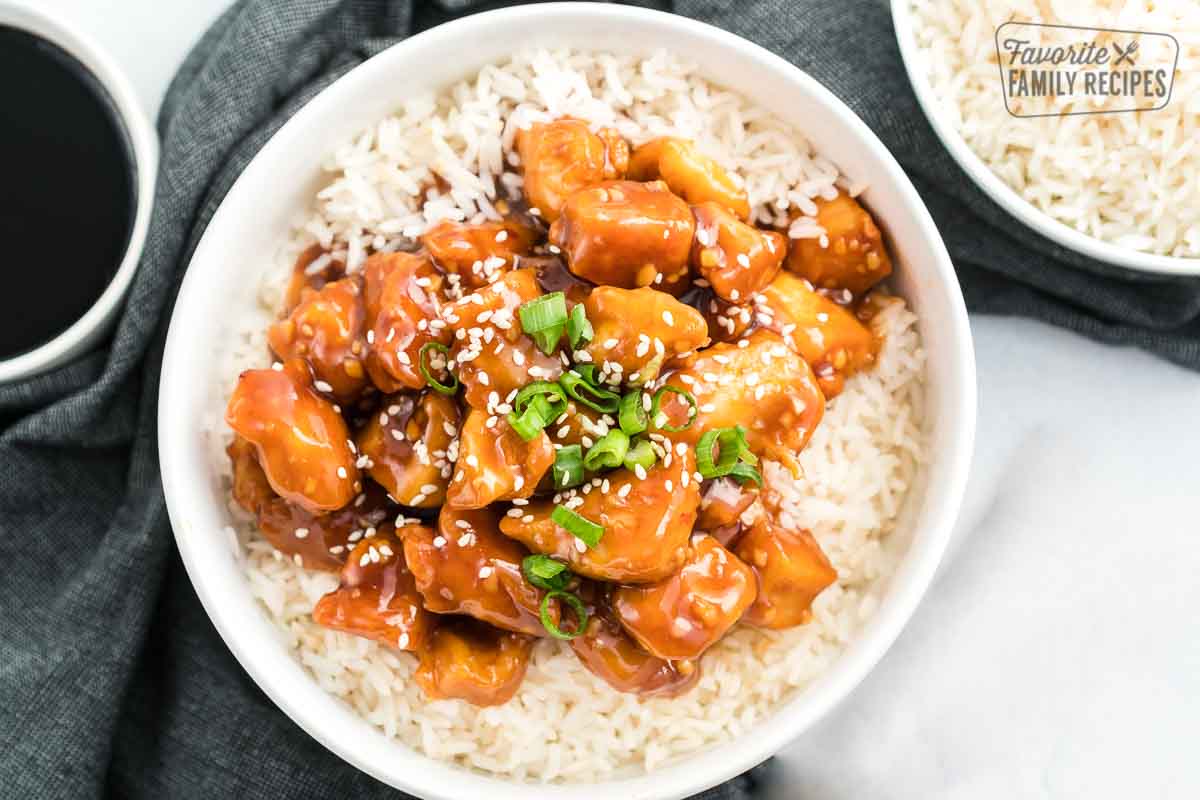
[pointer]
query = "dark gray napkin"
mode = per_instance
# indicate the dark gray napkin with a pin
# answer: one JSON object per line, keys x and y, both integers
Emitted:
{"x": 112, "y": 680}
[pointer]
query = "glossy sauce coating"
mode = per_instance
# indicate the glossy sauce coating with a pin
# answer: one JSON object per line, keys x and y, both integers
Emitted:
{"x": 690, "y": 174}
{"x": 792, "y": 570}
{"x": 403, "y": 303}
{"x": 646, "y": 523}
{"x": 723, "y": 501}
{"x": 303, "y": 443}
{"x": 408, "y": 444}
{"x": 467, "y": 567}
{"x": 627, "y": 235}
{"x": 638, "y": 330}
{"x": 326, "y": 330}
{"x": 377, "y": 597}
{"x": 495, "y": 463}
{"x": 855, "y": 257}
{"x": 323, "y": 541}
{"x": 737, "y": 260}
{"x": 313, "y": 269}
{"x": 472, "y": 661}
{"x": 477, "y": 253}
{"x": 685, "y": 614}
{"x": 558, "y": 158}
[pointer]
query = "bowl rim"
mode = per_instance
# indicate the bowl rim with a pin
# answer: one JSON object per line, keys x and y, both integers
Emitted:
{"x": 143, "y": 142}
{"x": 1003, "y": 194}
{"x": 413, "y": 772}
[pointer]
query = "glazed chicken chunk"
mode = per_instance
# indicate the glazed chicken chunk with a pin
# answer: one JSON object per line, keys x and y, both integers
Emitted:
{"x": 303, "y": 444}
{"x": 722, "y": 503}
{"x": 495, "y": 463}
{"x": 469, "y": 660}
{"x": 408, "y": 446}
{"x": 792, "y": 570}
{"x": 378, "y": 598}
{"x": 627, "y": 235}
{"x": 685, "y": 614}
{"x": 326, "y": 330}
{"x": 638, "y": 330}
{"x": 561, "y": 157}
{"x": 403, "y": 302}
{"x": 737, "y": 260}
{"x": 477, "y": 253}
{"x": 646, "y": 522}
{"x": 853, "y": 257}
{"x": 467, "y": 567}
{"x": 689, "y": 173}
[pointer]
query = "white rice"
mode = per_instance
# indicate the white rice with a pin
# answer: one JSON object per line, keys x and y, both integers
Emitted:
{"x": 1126, "y": 178}
{"x": 564, "y": 724}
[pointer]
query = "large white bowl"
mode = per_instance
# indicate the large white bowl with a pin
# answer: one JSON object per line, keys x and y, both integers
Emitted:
{"x": 1003, "y": 194}
{"x": 243, "y": 237}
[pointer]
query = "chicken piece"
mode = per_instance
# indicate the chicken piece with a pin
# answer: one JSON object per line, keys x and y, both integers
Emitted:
{"x": 626, "y": 234}
{"x": 403, "y": 303}
{"x": 762, "y": 386}
{"x": 469, "y": 660}
{"x": 792, "y": 570}
{"x": 409, "y": 446}
{"x": 825, "y": 334}
{"x": 313, "y": 269}
{"x": 492, "y": 356}
{"x": 722, "y": 503}
{"x": 467, "y": 567}
{"x": 477, "y": 253}
{"x": 727, "y": 322}
{"x": 690, "y": 174}
{"x": 563, "y": 156}
{"x": 553, "y": 276}
{"x": 302, "y": 441}
{"x": 637, "y": 330}
{"x": 326, "y": 330}
{"x": 612, "y": 655}
{"x": 855, "y": 258}
{"x": 377, "y": 598}
{"x": 250, "y": 485}
{"x": 323, "y": 541}
{"x": 495, "y": 463}
{"x": 646, "y": 523}
{"x": 737, "y": 260}
{"x": 687, "y": 613}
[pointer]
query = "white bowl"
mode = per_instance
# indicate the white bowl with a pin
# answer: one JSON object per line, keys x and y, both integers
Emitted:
{"x": 1003, "y": 194}
{"x": 245, "y": 233}
{"x": 96, "y": 321}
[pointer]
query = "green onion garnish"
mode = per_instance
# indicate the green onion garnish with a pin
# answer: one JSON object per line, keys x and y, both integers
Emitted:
{"x": 660, "y": 419}
{"x": 545, "y": 318}
{"x": 640, "y": 454}
{"x": 582, "y": 528}
{"x": 546, "y": 573}
{"x": 731, "y": 443}
{"x": 589, "y": 373}
{"x": 552, "y": 393}
{"x": 581, "y": 615}
{"x": 742, "y": 472}
{"x": 567, "y": 470}
{"x": 579, "y": 330}
{"x": 594, "y": 397}
{"x": 632, "y": 415}
{"x": 608, "y": 452}
{"x": 434, "y": 383}
{"x": 529, "y": 424}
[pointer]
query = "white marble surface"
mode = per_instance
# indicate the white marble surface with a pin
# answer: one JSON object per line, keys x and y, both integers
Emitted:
{"x": 1058, "y": 653}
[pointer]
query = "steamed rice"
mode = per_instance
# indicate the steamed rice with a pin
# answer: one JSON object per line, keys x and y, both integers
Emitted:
{"x": 1126, "y": 178}
{"x": 565, "y": 724}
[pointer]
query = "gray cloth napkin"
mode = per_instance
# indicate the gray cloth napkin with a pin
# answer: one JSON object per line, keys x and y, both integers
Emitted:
{"x": 112, "y": 680}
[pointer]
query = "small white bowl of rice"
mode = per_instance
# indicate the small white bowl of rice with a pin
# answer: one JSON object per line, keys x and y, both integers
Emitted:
{"x": 882, "y": 478}
{"x": 1114, "y": 185}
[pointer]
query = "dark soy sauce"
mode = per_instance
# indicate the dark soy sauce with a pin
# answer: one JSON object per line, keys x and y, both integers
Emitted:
{"x": 67, "y": 190}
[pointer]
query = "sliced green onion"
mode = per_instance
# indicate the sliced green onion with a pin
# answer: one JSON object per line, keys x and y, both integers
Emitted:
{"x": 660, "y": 419}
{"x": 589, "y": 373}
{"x": 545, "y": 319}
{"x": 434, "y": 383}
{"x": 731, "y": 443}
{"x": 641, "y": 455}
{"x": 608, "y": 452}
{"x": 581, "y": 527}
{"x": 567, "y": 470}
{"x": 744, "y": 472}
{"x": 529, "y": 424}
{"x": 551, "y": 392}
{"x": 579, "y": 330}
{"x": 603, "y": 400}
{"x": 545, "y": 572}
{"x": 632, "y": 415}
{"x": 581, "y": 615}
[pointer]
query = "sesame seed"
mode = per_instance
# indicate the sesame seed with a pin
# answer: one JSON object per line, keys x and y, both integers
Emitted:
{"x": 501, "y": 236}
{"x": 301, "y": 533}
{"x": 580, "y": 545}
{"x": 341, "y": 473}
{"x": 640, "y": 471}
{"x": 668, "y": 318}
{"x": 322, "y": 386}
{"x": 439, "y": 541}
{"x": 744, "y": 260}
